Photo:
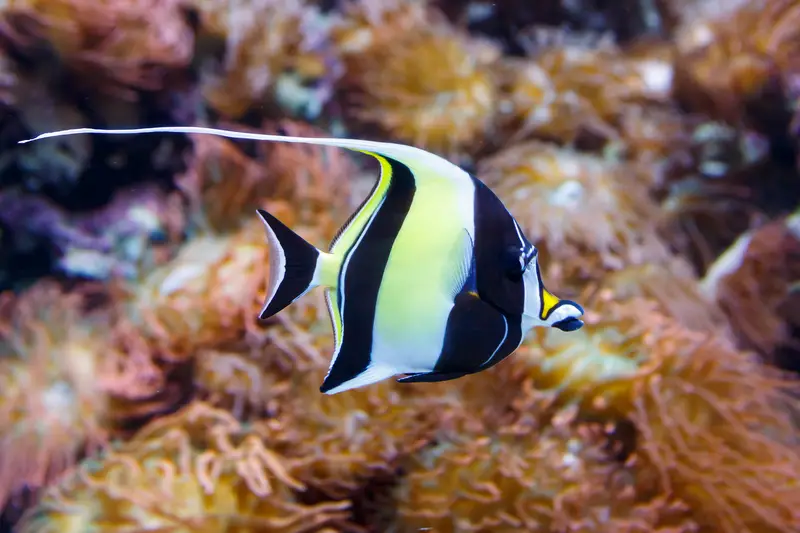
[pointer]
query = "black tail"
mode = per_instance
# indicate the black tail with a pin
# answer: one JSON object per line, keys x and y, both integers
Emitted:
{"x": 292, "y": 262}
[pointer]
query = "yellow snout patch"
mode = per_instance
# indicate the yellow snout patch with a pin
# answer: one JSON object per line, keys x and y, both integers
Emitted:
{"x": 548, "y": 302}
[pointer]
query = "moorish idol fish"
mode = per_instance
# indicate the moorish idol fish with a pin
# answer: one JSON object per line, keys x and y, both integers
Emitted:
{"x": 431, "y": 277}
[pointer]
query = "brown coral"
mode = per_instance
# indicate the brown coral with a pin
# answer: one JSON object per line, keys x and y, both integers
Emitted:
{"x": 754, "y": 280}
{"x": 733, "y": 63}
{"x": 109, "y": 46}
{"x": 198, "y": 470}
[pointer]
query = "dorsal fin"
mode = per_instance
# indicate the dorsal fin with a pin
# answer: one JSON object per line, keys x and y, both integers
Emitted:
{"x": 415, "y": 158}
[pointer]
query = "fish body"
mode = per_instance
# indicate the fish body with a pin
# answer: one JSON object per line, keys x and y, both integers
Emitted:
{"x": 431, "y": 277}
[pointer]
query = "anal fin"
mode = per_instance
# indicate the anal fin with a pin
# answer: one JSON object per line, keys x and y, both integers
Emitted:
{"x": 340, "y": 378}
{"x": 431, "y": 377}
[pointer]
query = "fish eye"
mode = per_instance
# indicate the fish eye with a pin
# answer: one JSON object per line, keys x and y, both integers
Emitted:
{"x": 513, "y": 263}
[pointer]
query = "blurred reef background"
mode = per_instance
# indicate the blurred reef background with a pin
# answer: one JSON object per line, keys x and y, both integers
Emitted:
{"x": 648, "y": 147}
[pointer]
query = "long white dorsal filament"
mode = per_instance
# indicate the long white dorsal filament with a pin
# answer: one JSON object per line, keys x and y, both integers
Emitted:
{"x": 401, "y": 152}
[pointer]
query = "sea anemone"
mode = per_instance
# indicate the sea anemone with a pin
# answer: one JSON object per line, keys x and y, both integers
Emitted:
{"x": 733, "y": 62}
{"x": 363, "y": 25}
{"x": 306, "y": 176}
{"x": 723, "y": 184}
{"x": 448, "y": 110}
{"x": 220, "y": 182}
{"x": 561, "y": 477}
{"x": 206, "y": 294}
{"x": 754, "y": 279}
{"x": 672, "y": 284}
{"x": 112, "y": 47}
{"x": 568, "y": 90}
{"x": 196, "y": 470}
{"x": 55, "y": 405}
{"x": 655, "y": 135}
{"x": 717, "y": 425}
{"x": 342, "y": 441}
{"x": 223, "y": 185}
{"x": 585, "y": 212}
{"x": 274, "y": 54}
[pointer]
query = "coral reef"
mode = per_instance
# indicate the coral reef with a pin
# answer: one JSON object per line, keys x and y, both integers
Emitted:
{"x": 198, "y": 470}
{"x": 588, "y": 214}
{"x": 385, "y": 44}
{"x": 694, "y": 399}
{"x": 561, "y": 478}
{"x": 648, "y": 149}
{"x": 275, "y": 52}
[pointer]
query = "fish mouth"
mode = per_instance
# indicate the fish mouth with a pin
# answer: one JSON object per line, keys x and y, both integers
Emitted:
{"x": 570, "y": 323}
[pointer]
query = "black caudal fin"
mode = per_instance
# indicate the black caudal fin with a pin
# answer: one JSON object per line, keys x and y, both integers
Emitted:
{"x": 292, "y": 264}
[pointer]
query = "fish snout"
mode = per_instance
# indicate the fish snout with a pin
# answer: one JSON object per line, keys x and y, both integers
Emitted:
{"x": 567, "y": 316}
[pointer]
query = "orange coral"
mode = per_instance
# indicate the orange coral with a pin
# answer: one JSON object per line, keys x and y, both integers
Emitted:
{"x": 54, "y": 404}
{"x": 206, "y": 294}
{"x": 673, "y": 285}
{"x": 754, "y": 279}
{"x": 211, "y": 292}
{"x": 224, "y": 185}
{"x": 730, "y": 59}
{"x": 341, "y": 441}
{"x": 119, "y": 47}
{"x": 717, "y": 425}
{"x": 197, "y": 470}
{"x": 580, "y": 209}
{"x": 569, "y": 90}
{"x": 563, "y": 478}
{"x": 448, "y": 110}
{"x": 266, "y": 42}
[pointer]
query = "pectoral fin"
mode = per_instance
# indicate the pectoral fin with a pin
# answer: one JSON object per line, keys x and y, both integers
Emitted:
{"x": 475, "y": 333}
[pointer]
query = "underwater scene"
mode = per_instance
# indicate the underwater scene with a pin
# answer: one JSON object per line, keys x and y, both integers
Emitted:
{"x": 399, "y": 266}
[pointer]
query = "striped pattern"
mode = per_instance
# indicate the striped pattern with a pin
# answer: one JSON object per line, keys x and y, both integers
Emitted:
{"x": 368, "y": 238}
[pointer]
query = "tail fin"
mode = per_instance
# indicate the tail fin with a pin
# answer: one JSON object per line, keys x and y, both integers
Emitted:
{"x": 295, "y": 266}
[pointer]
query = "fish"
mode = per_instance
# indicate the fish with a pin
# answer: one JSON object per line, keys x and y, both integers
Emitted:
{"x": 430, "y": 279}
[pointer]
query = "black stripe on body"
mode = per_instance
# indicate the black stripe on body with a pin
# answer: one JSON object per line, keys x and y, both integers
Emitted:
{"x": 485, "y": 325}
{"x": 496, "y": 237}
{"x": 362, "y": 277}
{"x": 498, "y": 246}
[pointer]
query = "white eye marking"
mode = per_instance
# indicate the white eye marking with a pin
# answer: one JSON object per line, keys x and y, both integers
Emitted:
{"x": 526, "y": 259}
